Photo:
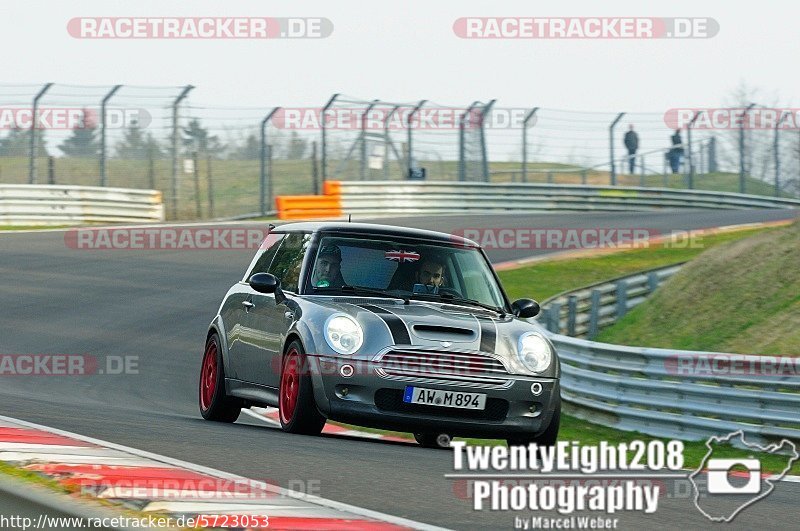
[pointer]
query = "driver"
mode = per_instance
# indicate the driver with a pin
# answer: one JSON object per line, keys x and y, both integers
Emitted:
{"x": 430, "y": 272}
{"x": 327, "y": 269}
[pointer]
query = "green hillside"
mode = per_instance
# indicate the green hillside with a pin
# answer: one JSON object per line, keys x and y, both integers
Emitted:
{"x": 741, "y": 297}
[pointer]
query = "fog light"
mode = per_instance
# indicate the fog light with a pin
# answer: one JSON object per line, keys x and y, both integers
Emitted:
{"x": 536, "y": 388}
{"x": 532, "y": 409}
{"x": 344, "y": 391}
{"x": 346, "y": 371}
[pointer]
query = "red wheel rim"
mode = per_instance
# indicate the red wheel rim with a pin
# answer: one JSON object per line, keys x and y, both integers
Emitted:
{"x": 290, "y": 385}
{"x": 208, "y": 376}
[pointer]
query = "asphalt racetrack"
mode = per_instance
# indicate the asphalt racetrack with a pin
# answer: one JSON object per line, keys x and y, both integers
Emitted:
{"x": 157, "y": 305}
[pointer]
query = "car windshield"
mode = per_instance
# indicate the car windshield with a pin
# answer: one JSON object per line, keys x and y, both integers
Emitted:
{"x": 403, "y": 268}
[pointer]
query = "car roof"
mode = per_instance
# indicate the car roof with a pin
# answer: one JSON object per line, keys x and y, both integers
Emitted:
{"x": 345, "y": 227}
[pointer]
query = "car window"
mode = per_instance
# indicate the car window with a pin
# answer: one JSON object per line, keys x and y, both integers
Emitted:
{"x": 289, "y": 259}
{"x": 261, "y": 263}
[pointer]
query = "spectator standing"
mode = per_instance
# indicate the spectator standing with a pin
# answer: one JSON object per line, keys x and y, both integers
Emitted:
{"x": 632, "y": 145}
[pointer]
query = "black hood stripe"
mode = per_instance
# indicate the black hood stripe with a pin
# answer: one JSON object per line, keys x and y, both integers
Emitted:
{"x": 396, "y": 325}
{"x": 488, "y": 335}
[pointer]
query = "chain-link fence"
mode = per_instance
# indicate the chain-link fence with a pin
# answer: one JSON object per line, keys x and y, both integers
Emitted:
{"x": 215, "y": 161}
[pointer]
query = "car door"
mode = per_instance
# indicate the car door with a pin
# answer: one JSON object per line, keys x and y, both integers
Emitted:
{"x": 270, "y": 319}
{"x": 240, "y": 323}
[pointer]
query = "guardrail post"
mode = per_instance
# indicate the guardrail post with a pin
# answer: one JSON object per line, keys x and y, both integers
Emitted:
{"x": 555, "y": 318}
{"x": 34, "y": 140}
{"x": 742, "y": 184}
{"x": 103, "y": 180}
{"x": 525, "y": 143}
{"x": 652, "y": 281}
{"x": 611, "y": 146}
{"x": 265, "y": 182}
{"x": 572, "y": 310}
{"x": 622, "y": 298}
{"x": 594, "y": 313}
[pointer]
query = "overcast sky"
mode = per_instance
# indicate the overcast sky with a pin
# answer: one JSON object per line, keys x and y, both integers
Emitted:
{"x": 403, "y": 51}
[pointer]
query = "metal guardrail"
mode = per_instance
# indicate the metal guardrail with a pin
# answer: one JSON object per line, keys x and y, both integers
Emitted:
{"x": 23, "y": 204}
{"x": 386, "y": 197}
{"x": 661, "y": 392}
{"x": 583, "y": 312}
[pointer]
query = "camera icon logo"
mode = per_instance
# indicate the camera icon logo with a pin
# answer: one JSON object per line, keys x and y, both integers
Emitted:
{"x": 725, "y": 486}
{"x": 719, "y": 481}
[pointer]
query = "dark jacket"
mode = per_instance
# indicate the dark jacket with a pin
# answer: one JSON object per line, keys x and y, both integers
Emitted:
{"x": 631, "y": 141}
{"x": 677, "y": 144}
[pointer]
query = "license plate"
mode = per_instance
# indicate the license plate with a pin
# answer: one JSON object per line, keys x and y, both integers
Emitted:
{"x": 437, "y": 397}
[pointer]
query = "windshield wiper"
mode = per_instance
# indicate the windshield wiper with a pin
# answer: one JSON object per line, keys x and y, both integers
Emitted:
{"x": 452, "y": 298}
{"x": 362, "y": 290}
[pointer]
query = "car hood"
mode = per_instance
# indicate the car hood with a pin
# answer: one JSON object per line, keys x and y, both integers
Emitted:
{"x": 429, "y": 325}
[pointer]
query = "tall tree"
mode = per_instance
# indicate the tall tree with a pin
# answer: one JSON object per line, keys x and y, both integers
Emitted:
{"x": 17, "y": 143}
{"x": 196, "y": 138}
{"x": 135, "y": 145}
{"x": 84, "y": 141}
{"x": 297, "y": 147}
{"x": 251, "y": 150}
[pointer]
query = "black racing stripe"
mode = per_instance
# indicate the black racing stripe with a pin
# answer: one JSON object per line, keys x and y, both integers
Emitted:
{"x": 396, "y": 325}
{"x": 488, "y": 335}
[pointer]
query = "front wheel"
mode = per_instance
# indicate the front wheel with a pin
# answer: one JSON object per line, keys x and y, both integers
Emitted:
{"x": 298, "y": 411}
{"x": 546, "y": 438}
{"x": 214, "y": 403}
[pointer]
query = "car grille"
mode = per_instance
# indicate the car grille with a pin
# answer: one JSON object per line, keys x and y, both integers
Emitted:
{"x": 392, "y": 400}
{"x": 464, "y": 369}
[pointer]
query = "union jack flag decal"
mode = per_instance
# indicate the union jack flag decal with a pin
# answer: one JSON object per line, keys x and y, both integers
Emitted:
{"x": 402, "y": 256}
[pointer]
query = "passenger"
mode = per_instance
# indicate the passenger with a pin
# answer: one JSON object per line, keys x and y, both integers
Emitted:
{"x": 327, "y": 269}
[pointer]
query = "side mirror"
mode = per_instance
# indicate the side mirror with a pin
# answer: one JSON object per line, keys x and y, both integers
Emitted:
{"x": 525, "y": 308}
{"x": 264, "y": 283}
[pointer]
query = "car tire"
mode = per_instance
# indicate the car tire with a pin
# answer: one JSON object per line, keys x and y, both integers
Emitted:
{"x": 297, "y": 410}
{"x": 433, "y": 440}
{"x": 214, "y": 403}
{"x": 546, "y": 438}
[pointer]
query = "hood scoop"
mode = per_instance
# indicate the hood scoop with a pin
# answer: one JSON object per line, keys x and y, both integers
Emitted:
{"x": 444, "y": 333}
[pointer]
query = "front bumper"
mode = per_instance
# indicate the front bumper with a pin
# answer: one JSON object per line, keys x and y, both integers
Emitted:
{"x": 367, "y": 399}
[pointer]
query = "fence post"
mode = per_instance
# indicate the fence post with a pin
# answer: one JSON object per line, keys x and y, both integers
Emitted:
{"x": 103, "y": 180}
{"x": 487, "y": 109}
{"x": 622, "y": 298}
{"x": 742, "y": 184}
{"x": 264, "y": 182}
{"x": 525, "y": 143}
{"x": 611, "y": 147}
{"x": 314, "y": 170}
{"x": 151, "y": 167}
{"x": 572, "y": 310}
{"x": 583, "y": 176}
{"x": 34, "y": 140}
{"x": 175, "y": 187}
{"x": 594, "y": 313}
{"x": 325, "y": 136}
{"x": 196, "y": 168}
{"x": 712, "y": 155}
{"x": 776, "y": 148}
{"x": 386, "y": 141}
{"x": 690, "y": 154}
{"x": 210, "y": 187}
{"x": 410, "y": 146}
{"x": 51, "y": 170}
{"x": 363, "y": 151}
{"x": 462, "y": 163}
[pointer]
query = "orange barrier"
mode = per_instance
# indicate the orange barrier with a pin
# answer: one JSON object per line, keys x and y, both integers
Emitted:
{"x": 328, "y": 205}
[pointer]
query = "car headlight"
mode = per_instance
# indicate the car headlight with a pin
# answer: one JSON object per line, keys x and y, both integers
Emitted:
{"x": 534, "y": 352}
{"x": 343, "y": 334}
